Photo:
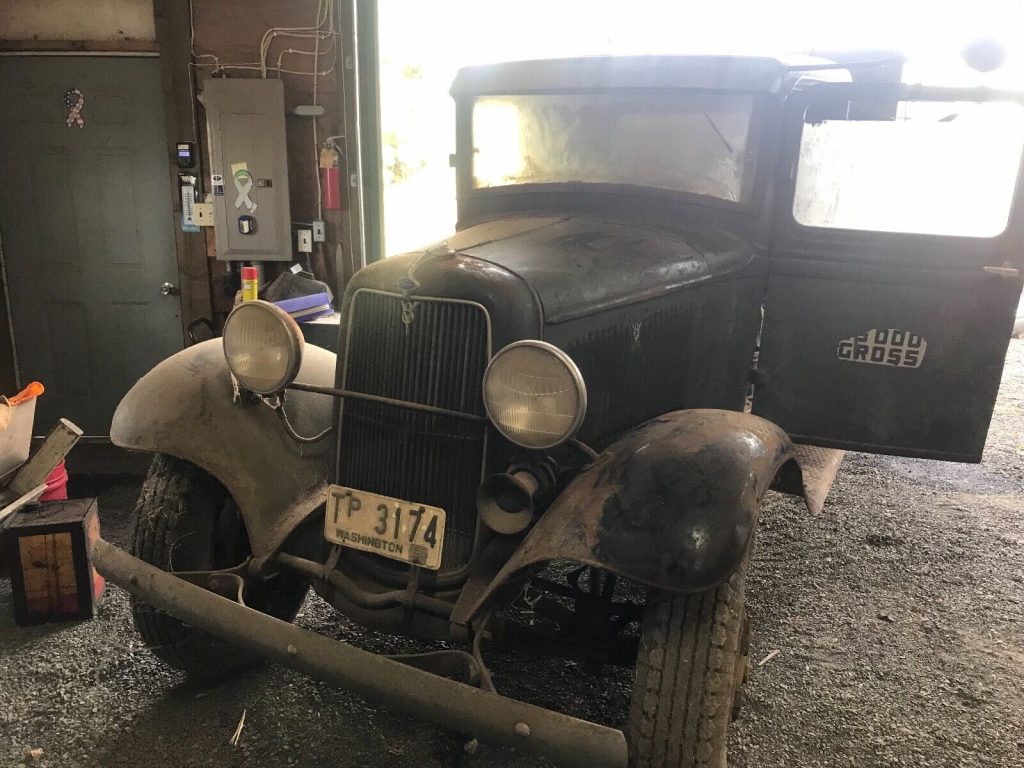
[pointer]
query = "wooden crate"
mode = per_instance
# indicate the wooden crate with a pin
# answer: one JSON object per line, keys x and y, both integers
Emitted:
{"x": 52, "y": 577}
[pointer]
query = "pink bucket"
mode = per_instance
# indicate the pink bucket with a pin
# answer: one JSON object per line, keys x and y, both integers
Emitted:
{"x": 56, "y": 484}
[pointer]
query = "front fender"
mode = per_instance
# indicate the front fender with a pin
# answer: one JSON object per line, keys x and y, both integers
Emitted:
{"x": 672, "y": 504}
{"x": 184, "y": 407}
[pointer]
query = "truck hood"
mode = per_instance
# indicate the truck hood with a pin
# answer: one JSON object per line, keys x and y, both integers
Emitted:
{"x": 577, "y": 266}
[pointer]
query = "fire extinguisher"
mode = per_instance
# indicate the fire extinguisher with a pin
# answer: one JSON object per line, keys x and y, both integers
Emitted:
{"x": 330, "y": 178}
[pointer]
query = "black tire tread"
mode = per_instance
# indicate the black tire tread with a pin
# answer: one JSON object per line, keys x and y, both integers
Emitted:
{"x": 173, "y": 528}
{"x": 685, "y": 673}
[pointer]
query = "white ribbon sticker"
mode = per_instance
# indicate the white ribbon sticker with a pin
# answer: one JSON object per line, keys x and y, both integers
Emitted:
{"x": 243, "y": 184}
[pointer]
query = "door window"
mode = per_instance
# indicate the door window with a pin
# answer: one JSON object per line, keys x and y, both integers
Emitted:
{"x": 935, "y": 168}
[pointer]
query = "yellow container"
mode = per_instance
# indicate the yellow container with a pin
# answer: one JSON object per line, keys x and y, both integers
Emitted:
{"x": 250, "y": 283}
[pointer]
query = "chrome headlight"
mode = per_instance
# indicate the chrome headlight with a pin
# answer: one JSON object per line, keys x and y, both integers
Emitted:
{"x": 534, "y": 394}
{"x": 263, "y": 346}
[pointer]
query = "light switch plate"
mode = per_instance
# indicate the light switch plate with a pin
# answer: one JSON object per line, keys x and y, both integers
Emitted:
{"x": 305, "y": 238}
{"x": 319, "y": 233}
{"x": 202, "y": 214}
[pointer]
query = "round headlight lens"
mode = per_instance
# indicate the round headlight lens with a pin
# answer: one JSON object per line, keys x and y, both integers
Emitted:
{"x": 263, "y": 346}
{"x": 534, "y": 394}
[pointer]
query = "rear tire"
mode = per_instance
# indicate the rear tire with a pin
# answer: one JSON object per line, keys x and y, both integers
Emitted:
{"x": 688, "y": 673}
{"x": 185, "y": 520}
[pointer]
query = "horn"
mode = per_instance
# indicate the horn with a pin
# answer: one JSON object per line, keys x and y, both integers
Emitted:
{"x": 505, "y": 502}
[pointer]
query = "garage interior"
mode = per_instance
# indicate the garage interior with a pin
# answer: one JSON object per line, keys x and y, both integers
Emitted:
{"x": 171, "y": 161}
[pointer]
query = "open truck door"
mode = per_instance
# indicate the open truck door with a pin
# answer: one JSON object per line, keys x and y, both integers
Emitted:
{"x": 895, "y": 270}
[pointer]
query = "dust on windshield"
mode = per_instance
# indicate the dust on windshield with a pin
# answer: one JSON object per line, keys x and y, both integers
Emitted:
{"x": 698, "y": 143}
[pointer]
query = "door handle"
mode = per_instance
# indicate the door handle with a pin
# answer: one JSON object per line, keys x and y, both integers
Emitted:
{"x": 1008, "y": 272}
{"x": 169, "y": 289}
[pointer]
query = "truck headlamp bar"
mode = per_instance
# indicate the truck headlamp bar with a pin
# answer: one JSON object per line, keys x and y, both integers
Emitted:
{"x": 347, "y": 393}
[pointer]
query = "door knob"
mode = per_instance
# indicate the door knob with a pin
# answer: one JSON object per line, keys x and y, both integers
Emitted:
{"x": 169, "y": 289}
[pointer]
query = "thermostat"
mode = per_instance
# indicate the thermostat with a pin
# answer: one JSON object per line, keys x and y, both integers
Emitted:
{"x": 185, "y": 154}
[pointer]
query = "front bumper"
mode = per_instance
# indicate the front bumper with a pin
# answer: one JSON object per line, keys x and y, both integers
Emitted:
{"x": 489, "y": 717}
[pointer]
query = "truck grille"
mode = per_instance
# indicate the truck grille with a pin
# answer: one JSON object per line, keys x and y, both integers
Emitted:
{"x": 438, "y": 359}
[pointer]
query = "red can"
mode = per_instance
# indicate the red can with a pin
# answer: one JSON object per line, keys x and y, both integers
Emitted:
{"x": 330, "y": 181}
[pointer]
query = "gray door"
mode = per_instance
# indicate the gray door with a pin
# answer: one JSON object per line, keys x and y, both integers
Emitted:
{"x": 87, "y": 235}
{"x": 895, "y": 269}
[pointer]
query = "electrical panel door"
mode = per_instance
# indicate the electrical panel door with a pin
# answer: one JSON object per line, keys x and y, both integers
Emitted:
{"x": 248, "y": 168}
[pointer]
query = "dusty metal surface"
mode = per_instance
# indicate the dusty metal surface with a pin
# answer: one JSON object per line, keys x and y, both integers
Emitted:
{"x": 494, "y": 719}
{"x": 673, "y": 504}
{"x": 184, "y": 408}
{"x": 347, "y": 393}
{"x": 577, "y": 266}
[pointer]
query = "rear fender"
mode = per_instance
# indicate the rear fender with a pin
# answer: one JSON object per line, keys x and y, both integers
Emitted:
{"x": 672, "y": 504}
{"x": 185, "y": 407}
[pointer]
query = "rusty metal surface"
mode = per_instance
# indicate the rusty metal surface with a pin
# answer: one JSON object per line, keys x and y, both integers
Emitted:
{"x": 672, "y": 504}
{"x": 184, "y": 408}
{"x": 579, "y": 266}
{"x": 407, "y": 598}
{"x": 490, "y": 231}
{"x": 489, "y": 717}
{"x": 819, "y": 467}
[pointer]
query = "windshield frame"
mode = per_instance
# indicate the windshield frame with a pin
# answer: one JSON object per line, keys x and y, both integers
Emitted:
{"x": 757, "y": 146}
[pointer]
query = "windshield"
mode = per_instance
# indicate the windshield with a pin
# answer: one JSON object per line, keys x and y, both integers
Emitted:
{"x": 697, "y": 143}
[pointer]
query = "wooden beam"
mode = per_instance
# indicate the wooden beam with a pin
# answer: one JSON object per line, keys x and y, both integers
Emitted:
{"x": 351, "y": 256}
{"x": 61, "y": 439}
{"x": 174, "y": 40}
{"x": 80, "y": 46}
{"x": 371, "y": 168}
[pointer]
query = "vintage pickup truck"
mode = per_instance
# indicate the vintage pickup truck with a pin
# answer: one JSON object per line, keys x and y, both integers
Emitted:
{"x": 668, "y": 274}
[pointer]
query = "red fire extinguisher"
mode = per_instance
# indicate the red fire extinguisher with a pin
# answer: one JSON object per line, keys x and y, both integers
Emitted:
{"x": 330, "y": 178}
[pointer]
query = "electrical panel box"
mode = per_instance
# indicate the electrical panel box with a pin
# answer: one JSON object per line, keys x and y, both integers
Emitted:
{"x": 248, "y": 168}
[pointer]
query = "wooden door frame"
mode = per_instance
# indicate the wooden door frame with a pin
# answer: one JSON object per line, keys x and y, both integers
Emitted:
{"x": 359, "y": 94}
{"x": 173, "y": 24}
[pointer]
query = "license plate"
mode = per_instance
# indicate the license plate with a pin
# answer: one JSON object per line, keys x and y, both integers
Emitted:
{"x": 400, "y": 530}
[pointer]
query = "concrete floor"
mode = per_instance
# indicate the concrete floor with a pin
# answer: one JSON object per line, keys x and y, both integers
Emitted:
{"x": 898, "y": 614}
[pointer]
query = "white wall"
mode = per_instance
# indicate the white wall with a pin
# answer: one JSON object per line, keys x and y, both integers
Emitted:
{"x": 76, "y": 20}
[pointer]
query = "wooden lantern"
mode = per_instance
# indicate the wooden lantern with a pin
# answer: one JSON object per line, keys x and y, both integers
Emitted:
{"x": 52, "y": 576}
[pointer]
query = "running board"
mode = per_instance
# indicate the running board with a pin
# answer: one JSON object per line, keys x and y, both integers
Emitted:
{"x": 818, "y": 469}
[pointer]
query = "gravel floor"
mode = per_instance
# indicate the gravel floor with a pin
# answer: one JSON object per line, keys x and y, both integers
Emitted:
{"x": 898, "y": 615}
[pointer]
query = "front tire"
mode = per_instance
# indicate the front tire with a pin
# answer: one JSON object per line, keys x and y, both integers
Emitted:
{"x": 185, "y": 520}
{"x": 688, "y": 674}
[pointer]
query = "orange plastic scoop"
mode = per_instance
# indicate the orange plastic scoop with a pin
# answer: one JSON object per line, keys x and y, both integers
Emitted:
{"x": 35, "y": 389}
